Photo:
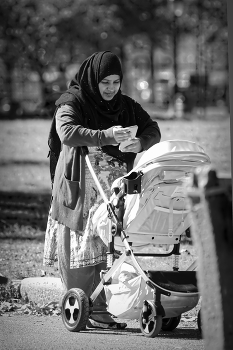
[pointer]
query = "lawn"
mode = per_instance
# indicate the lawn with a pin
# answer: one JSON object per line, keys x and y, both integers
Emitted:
{"x": 24, "y": 149}
{"x": 25, "y": 184}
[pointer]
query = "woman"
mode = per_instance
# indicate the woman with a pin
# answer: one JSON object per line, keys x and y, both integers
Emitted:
{"x": 93, "y": 113}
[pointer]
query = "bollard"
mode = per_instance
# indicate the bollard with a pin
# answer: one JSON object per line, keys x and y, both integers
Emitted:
{"x": 210, "y": 201}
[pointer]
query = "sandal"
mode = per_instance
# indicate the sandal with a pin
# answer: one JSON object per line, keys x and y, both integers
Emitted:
{"x": 112, "y": 325}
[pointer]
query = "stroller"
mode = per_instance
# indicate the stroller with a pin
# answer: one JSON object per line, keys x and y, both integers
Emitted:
{"x": 148, "y": 209}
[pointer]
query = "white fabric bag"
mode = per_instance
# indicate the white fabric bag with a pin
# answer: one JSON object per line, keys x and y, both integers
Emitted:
{"x": 125, "y": 299}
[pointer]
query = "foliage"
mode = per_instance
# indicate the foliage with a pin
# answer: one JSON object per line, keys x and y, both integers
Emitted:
{"x": 142, "y": 17}
{"x": 19, "y": 307}
{"x": 28, "y": 30}
{"x": 44, "y": 37}
{"x": 9, "y": 292}
{"x": 38, "y": 33}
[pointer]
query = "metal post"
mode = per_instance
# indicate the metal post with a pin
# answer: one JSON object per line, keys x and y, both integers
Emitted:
{"x": 212, "y": 234}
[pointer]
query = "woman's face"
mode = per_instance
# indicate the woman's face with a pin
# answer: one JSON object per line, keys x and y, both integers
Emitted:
{"x": 109, "y": 86}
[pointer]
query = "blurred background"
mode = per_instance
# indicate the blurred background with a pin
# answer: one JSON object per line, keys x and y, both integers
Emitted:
{"x": 174, "y": 53}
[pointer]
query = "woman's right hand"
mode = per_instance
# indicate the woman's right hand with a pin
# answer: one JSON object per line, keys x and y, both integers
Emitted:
{"x": 121, "y": 134}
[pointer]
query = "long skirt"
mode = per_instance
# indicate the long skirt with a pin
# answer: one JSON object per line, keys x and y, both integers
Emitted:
{"x": 87, "y": 248}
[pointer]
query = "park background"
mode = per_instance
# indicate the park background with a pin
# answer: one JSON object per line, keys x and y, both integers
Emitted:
{"x": 175, "y": 61}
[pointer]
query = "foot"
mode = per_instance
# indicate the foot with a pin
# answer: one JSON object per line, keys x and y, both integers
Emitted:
{"x": 104, "y": 325}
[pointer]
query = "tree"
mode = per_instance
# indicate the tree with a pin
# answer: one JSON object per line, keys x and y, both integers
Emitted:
{"x": 144, "y": 23}
{"x": 35, "y": 35}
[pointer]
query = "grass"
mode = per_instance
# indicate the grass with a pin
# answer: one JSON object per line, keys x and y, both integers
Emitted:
{"x": 23, "y": 156}
{"x": 24, "y": 149}
{"x": 21, "y": 258}
{"x": 25, "y": 185}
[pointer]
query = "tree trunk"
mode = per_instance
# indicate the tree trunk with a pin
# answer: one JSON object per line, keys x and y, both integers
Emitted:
{"x": 9, "y": 83}
{"x": 152, "y": 100}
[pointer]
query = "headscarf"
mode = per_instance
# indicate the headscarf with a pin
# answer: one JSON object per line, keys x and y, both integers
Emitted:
{"x": 97, "y": 113}
{"x": 84, "y": 87}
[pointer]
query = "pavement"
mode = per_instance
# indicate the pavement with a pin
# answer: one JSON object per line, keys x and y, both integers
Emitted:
{"x": 49, "y": 333}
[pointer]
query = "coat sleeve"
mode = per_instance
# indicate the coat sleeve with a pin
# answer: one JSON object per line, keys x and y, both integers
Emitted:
{"x": 72, "y": 133}
{"x": 148, "y": 129}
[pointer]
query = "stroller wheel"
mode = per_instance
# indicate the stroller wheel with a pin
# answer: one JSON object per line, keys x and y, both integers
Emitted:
{"x": 169, "y": 324}
{"x": 150, "y": 323}
{"x": 75, "y": 310}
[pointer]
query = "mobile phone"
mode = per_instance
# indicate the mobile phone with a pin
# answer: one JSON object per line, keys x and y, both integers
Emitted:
{"x": 133, "y": 130}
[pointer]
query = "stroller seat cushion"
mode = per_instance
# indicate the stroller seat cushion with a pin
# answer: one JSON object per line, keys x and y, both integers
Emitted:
{"x": 176, "y": 281}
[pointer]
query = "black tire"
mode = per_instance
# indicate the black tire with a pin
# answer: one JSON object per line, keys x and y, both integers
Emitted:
{"x": 199, "y": 321}
{"x": 75, "y": 310}
{"x": 150, "y": 327}
{"x": 169, "y": 324}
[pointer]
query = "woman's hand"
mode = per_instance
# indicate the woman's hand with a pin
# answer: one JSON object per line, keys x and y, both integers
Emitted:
{"x": 121, "y": 134}
{"x": 134, "y": 146}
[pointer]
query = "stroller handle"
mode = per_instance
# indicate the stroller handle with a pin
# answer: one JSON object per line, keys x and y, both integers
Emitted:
{"x": 118, "y": 226}
{"x": 84, "y": 151}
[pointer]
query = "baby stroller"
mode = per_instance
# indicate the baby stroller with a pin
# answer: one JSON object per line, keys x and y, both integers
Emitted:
{"x": 148, "y": 209}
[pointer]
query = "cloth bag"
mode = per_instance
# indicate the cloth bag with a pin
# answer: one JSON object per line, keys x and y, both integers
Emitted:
{"x": 125, "y": 298}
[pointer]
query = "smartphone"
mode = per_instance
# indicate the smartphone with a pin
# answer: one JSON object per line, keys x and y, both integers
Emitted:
{"x": 133, "y": 130}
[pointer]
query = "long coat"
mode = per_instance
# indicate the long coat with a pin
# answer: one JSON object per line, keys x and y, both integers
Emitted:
{"x": 69, "y": 181}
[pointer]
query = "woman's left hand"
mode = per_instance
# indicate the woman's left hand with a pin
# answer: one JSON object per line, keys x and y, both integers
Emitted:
{"x": 134, "y": 146}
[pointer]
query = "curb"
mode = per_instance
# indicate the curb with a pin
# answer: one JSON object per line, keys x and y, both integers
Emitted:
{"x": 41, "y": 290}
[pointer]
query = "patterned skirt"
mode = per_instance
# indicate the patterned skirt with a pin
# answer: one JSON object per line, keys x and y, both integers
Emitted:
{"x": 87, "y": 247}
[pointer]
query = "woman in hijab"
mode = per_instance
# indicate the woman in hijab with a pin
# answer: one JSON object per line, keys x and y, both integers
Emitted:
{"x": 93, "y": 112}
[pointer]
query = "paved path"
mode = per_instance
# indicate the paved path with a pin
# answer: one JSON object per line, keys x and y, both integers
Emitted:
{"x": 21, "y": 332}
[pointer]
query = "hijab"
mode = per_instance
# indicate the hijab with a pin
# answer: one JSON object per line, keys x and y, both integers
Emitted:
{"x": 84, "y": 88}
{"x": 97, "y": 113}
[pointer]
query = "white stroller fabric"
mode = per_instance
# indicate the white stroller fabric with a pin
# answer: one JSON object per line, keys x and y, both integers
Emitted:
{"x": 127, "y": 292}
{"x": 160, "y": 213}
{"x": 156, "y": 216}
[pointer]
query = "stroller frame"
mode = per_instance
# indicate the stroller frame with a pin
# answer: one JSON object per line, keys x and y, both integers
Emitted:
{"x": 152, "y": 312}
